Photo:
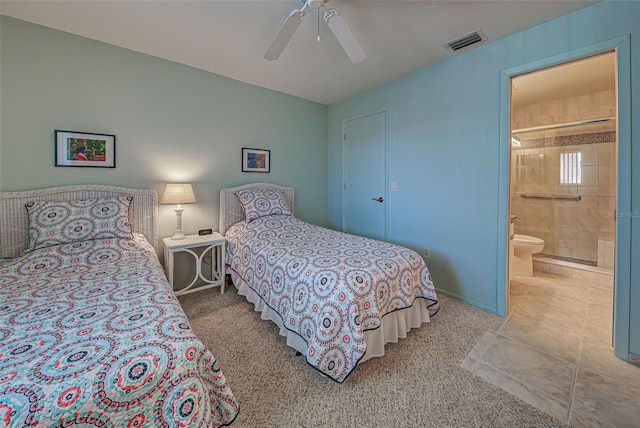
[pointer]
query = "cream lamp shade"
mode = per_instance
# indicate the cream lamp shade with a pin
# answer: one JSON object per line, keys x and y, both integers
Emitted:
{"x": 178, "y": 193}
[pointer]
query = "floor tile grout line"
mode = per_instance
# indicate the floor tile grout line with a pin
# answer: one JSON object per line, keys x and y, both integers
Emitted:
{"x": 557, "y": 357}
{"x": 579, "y": 350}
{"x": 554, "y": 308}
{"x": 591, "y": 289}
{"x": 560, "y": 357}
{"x": 499, "y": 332}
{"x": 525, "y": 386}
{"x": 539, "y": 391}
{"x": 578, "y": 359}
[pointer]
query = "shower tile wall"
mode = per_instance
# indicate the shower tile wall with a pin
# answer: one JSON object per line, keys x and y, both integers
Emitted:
{"x": 578, "y": 230}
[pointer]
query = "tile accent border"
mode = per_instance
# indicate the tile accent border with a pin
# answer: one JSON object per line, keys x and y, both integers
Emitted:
{"x": 569, "y": 140}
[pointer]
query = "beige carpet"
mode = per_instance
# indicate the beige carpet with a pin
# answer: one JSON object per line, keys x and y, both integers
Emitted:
{"x": 418, "y": 383}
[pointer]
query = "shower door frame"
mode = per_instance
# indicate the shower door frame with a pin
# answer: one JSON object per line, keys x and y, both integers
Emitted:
{"x": 621, "y": 46}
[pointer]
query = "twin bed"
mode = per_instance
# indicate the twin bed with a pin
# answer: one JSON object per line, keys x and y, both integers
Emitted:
{"x": 337, "y": 298}
{"x": 91, "y": 332}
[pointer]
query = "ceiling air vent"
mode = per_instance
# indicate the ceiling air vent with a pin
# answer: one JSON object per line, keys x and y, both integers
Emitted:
{"x": 465, "y": 41}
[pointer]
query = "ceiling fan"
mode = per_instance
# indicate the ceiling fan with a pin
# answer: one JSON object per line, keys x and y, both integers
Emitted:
{"x": 334, "y": 21}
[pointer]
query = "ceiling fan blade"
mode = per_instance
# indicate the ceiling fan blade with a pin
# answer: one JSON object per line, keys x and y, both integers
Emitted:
{"x": 289, "y": 27}
{"x": 344, "y": 36}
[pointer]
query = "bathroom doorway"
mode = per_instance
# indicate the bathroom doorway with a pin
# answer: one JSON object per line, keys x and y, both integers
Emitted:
{"x": 562, "y": 163}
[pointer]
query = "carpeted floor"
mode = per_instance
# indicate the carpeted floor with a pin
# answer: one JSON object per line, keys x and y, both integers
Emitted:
{"x": 418, "y": 383}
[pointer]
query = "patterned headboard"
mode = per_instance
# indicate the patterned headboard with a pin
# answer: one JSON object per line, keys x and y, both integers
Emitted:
{"x": 14, "y": 220}
{"x": 230, "y": 209}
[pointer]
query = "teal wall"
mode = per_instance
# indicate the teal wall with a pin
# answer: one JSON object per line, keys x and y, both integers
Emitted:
{"x": 445, "y": 154}
{"x": 177, "y": 123}
{"x": 172, "y": 123}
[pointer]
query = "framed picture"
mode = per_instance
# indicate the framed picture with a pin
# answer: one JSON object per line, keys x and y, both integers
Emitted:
{"x": 85, "y": 149}
{"x": 256, "y": 160}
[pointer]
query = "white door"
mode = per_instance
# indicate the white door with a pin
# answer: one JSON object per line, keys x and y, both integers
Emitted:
{"x": 365, "y": 176}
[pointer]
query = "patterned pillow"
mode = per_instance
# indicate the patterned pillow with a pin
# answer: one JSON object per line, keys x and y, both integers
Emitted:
{"x": 53, "y": 223}
{"x": 260, "y": 202}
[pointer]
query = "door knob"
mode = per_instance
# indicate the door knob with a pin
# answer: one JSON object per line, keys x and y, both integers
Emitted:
{"x": 378, "y": 199}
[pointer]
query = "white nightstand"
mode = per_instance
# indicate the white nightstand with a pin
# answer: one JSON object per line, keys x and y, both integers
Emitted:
{"x": 214, "y": 243}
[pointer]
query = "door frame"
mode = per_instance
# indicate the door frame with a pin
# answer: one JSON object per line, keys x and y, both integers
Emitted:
{"x": 622, "y": 269}
{"x": 348, "y": 119}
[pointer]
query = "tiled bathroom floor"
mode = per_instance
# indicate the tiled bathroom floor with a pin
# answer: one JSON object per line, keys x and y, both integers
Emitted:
{"x": 554, "y": 352}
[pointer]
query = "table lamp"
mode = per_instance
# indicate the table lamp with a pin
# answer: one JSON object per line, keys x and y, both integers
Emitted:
{"x": 178, "y": 193}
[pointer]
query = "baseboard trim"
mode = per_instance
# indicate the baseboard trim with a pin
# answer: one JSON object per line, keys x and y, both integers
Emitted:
{"x": 467, "y": 301}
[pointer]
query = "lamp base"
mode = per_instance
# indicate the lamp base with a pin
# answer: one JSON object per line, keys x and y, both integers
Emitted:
{"x": 178, "y": 235}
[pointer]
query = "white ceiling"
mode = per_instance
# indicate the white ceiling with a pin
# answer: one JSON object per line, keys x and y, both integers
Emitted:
{"x": 230, "y": 37}
{"x": 586, "y": 76}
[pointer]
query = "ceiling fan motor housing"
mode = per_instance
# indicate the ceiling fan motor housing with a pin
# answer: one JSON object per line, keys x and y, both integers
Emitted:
{"x": 334, "y": 21}
{"x": 316, "y": 4}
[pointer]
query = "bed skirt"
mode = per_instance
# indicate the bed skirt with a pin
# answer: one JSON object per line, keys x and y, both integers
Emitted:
{"x": 395, "y": 325}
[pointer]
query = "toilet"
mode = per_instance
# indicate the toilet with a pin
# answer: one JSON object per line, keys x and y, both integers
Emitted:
{"x": 524, "y": 247}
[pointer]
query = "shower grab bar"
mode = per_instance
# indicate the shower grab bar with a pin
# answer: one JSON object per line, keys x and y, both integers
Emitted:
{"x": 550, "y": 196}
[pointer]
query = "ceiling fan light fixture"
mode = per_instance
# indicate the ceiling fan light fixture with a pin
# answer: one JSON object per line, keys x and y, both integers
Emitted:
{"x": 316, "y": 4}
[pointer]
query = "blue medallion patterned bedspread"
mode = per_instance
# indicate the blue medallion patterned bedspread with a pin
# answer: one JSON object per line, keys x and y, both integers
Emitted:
{"x": 328, "y": 286}
{"x": 91, "y": 334}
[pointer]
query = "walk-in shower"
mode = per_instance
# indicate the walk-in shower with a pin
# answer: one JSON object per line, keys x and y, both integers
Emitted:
{"x": 563, "y": 160}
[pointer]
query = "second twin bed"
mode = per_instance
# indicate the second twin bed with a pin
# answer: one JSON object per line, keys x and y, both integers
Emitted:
{"x": 337, "y": 298}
